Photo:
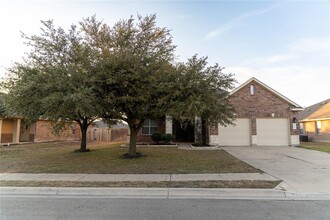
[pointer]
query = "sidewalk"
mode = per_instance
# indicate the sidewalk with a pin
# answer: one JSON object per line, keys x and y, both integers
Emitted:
{"x": 281, "y": 192}
{"x": 134, "y": 177}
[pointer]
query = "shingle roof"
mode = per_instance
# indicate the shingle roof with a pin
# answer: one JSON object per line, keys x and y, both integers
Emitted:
{"x": 317, "y": 111}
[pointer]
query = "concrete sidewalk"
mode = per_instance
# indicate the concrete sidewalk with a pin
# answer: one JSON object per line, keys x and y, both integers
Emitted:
{"x": 281, "y": 192}
{"x": 134, "y": 177}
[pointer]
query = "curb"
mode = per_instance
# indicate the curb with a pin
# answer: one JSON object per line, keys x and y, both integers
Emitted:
{"x": 161, "y": 193}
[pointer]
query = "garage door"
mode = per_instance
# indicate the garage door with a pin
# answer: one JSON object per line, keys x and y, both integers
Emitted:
{"x": 235, "y": 135}
{"x": 272, "y": 132}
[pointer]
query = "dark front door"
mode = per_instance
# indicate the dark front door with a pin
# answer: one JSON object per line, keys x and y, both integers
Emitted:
{"x": 183, "y": 132}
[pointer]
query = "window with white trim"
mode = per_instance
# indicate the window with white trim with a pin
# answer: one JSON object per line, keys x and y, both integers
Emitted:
{"x": 318, "y": 127}
{"x": 149, "y": 127}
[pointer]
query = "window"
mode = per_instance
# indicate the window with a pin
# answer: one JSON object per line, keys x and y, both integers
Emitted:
{"x": 252, "y": 89}
{"x": 149, "y": 127}
{"x": 318, "y": 127}
{"x": 301, "y": 128}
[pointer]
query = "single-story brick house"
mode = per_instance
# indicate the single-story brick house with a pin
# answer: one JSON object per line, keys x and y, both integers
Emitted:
{"x": 264, "y": 117}
{"x": 15, "y": 130}
{"x": 314, "y": 122}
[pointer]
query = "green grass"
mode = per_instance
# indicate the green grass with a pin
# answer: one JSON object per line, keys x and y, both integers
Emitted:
{"x": 319, "y": 146}
{"x": 260, "y": 184}
{"x": 105, "y": 158}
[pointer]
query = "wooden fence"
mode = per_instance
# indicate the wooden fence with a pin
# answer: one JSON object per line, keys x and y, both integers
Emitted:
{"x": 107, "y": 134}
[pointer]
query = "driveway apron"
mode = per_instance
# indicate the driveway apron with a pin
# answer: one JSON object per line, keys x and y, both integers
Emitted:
{"x": 302, "y": 170}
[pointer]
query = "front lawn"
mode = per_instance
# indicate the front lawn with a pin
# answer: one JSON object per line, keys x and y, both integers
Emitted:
{"x": 105, "y": 158}
{"x": 320, "y": 146}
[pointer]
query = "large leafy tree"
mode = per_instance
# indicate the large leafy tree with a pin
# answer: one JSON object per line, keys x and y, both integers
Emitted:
{"x": 56, "y": 81}
{"x": 136, "y": 66}
{"x": 141, "y": 80}
{"x": 200, "y": 92}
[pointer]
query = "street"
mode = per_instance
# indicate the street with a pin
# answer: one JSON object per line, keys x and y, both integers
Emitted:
{"x": 98, "y": 207}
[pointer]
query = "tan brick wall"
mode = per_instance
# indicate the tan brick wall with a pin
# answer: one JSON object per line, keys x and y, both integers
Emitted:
{"x": 8, "y": 126}
{"x": 44, "y": 132}
{"x": 310, "y": 130}
{"x": 262, "y": 104}
{"x": 7, "y": 130}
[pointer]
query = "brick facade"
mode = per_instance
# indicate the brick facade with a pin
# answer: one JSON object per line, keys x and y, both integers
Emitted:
{"x": 161, "y": 124}
{"x": 44, "y": 132}
{"x": 262, "y": 104}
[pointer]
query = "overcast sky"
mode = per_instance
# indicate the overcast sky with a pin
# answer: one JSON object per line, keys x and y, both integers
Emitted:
{"x": 285, "y": 44}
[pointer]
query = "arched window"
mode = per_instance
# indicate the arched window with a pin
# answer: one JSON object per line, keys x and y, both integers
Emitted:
{"x": 252, "y": 89}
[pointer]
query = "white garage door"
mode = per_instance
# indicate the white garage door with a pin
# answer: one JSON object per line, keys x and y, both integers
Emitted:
{"x": 235, "y": 135}
{"x": 272, "y": 132}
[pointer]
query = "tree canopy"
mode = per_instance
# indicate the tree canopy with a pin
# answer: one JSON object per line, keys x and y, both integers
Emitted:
{"x": 127, "y": 71}
{"x": 56, "y": 81}
{"x": 137, "y": 59}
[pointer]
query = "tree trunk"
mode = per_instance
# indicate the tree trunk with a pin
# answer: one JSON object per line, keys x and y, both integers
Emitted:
{"x": 83, "y": 143}
{"x": 132, "y": 142}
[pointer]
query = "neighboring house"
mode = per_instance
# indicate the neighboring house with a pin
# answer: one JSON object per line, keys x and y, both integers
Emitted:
{"x": 264, "y": 117}
{"x": 314, "y": 122}
{"x": 15, "y": 130}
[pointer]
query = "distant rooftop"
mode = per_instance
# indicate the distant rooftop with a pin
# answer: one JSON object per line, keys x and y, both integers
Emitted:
{"x": 317, "y": 111}
{"x": 101, "y": 124}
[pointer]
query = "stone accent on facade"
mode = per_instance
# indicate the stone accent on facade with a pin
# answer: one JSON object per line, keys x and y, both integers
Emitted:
{"x": 254, "y": 140}
{"x": 169, "y": 125}
{"x": 214, "y": 129}
{"x": 294, "y": 140}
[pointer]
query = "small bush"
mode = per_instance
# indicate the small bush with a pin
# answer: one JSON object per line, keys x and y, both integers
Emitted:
{"x": 156, "y": 137}
{"x": 167, "y": 138}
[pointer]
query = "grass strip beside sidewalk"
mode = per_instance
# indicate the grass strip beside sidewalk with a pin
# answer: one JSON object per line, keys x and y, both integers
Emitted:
{"x": 261, "y": 184}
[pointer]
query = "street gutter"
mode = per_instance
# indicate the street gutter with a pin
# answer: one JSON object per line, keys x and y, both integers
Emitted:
{"x": 160, "y": 193}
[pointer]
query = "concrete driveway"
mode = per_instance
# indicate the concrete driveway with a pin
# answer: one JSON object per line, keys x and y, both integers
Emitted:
{"x": 302, "y": 170}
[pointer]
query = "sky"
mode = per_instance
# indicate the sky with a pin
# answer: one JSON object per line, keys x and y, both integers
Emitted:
{"x": 285, "y": 44}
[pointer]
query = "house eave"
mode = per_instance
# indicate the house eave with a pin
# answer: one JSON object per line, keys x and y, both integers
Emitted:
{"x": 294, "y": 109}
{"x": 314, "y": 119}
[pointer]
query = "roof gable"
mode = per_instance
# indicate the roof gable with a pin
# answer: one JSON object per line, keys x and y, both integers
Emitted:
{"x": 269, "y": 89}
{"x": 319, "y": 110}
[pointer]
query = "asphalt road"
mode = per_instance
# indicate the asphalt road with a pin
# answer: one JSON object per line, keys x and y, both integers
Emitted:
{"x": 31, "y": 207}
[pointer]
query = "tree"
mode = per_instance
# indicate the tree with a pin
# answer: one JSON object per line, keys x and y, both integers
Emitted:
{"x": 200, "y": 91}
{"x": 2, "y": 104}
{"x": 56, "y": 81}
{"x": 136, "y": 66}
